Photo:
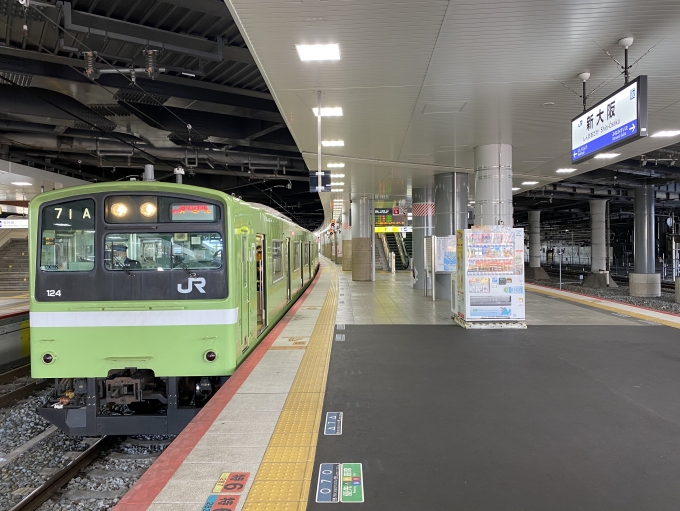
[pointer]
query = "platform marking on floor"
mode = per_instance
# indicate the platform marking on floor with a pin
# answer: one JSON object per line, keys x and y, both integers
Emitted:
{"x": 339, "y": 337}
{"x": 231, "y": 482}
{"x": 340, "y": 482}
{"x": 221, "y": 503}
{"x": 283, "y": 480}
{"x": 597, "y": 305}
{"x": 333, "y": 424}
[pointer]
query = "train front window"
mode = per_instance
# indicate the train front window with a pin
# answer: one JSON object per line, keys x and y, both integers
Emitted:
{"x": 163, "y": 251}
{"x": 67, "y": 236}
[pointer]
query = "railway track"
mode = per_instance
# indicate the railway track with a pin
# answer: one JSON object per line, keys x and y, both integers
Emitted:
{"x": 23, "y": 388}
{"x": 620, "y": 280}
{"x": 41, "y": 494}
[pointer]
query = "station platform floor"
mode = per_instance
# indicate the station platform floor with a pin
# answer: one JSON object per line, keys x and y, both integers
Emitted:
{"x": 578, "y": 411}
{"x": 12, "y": 302}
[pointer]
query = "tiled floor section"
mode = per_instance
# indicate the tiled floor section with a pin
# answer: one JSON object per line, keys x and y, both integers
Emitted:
{"x": 391, "y": 299}
{"x": 245, "y": 429}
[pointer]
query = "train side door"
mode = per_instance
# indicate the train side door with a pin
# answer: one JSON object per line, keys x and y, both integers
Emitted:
{"x": 308, "y": 252}
{"x": 286, "y": 267}
{"x": 246, "y": 304}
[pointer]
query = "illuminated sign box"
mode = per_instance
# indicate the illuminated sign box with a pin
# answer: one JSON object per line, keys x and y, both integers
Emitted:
{"x": 617, "y": 120}
{"x": 325, "y": 182}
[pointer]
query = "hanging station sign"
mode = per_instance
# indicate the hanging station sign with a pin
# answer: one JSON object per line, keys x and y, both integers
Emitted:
{"x": 617, "y": 120}
{"x": 325, "y": 182}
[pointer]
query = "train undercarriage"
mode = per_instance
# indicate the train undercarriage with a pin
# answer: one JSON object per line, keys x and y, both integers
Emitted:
{"x": 129, "y": 401}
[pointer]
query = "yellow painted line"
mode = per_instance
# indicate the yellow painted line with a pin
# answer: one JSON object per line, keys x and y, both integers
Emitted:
{"x": 603, "y": 306}
{"x": 25, "y": 333}
{"x": 282, "y": 483}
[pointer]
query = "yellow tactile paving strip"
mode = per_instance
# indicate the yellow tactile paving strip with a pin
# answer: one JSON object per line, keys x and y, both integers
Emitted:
{"x": 589, "y": 303}
{"x": 283, "y": 480}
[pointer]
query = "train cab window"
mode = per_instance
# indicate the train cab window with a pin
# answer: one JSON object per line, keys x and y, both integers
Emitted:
{"x": 67, "y": 236}
{"x": 277, "y": 260}
{"x": 163, "y": 251}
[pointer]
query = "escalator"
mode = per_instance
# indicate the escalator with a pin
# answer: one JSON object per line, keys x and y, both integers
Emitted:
{"x": 399, "y": 255}
{"x": 409, "y": 245}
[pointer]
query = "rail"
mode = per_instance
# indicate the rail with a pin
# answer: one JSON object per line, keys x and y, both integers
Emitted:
{"x": 40, "y": 495}
{"x": 21, "y": 392}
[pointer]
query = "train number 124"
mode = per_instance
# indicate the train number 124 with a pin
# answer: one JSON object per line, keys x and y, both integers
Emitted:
{"x": 54, "y": 292}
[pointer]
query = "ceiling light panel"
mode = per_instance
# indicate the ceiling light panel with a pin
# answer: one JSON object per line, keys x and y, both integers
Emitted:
{"x": 328, "y": 111}
{"x": 530, "y": 183}
{"x": 666, "y": 133}
{"x": 21, "y": 183}
{"x": 336, "y": 165}
{"x": 604, "y": 156}
{"x": 515, "y": 188}
{"x": 565, "y": 171}
{"x": 333, "y": 143}
{"x": 309, "y": 52}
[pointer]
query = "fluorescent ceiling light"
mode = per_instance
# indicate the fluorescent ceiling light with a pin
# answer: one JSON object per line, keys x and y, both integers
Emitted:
{"x": 337, "y": 184}
{"x": 188, "y": 74}
{"x": 603, "y": 156}
{"x": 335, "y": 165}
{"x": 666, "y": 133}
{"x": 337, "y": 175}
{"x": 338, "y": 190}
{"x": 318, "y": 51}
{"x": 565, "y": 171}
{"x": 530, "y": 183}
{"x": 514, "y": 189}
{"x": 328, "y": 111}
{"x": 21, "y": 183}
{"x": 333, "y": 143}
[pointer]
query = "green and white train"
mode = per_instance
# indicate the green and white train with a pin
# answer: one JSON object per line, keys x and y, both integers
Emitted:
{"x": 146, "y": 297}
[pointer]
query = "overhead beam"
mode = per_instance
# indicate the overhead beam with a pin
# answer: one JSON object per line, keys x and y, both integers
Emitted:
{"x": 93, "y": 24}
{"x": 264, "y": 132}
{"x": 214, "y": 7}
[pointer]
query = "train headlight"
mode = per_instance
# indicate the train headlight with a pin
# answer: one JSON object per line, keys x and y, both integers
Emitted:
{"x": 210, "y": 356}
{"x": 148, "y": 209}
{"x": 119, "y": 209}
{"x": 48, "y": 358}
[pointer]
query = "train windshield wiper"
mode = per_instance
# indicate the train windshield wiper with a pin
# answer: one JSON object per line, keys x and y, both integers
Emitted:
{"x": 182, "y": 265}
{"x": 122, "y": 264}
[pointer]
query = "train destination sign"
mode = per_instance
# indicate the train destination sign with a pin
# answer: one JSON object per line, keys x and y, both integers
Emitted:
{"x": 617, "y": 120}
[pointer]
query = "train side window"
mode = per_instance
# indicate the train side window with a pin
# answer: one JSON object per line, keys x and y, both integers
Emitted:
{"x": 244, "y": 260}
{"x": 296, "y": 256}
{"x": 277, "y": 260}
{"x": 67, "y": 236}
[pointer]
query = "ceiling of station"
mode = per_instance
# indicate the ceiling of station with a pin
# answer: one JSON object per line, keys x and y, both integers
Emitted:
{"x": 421, "y": 83}
{"x": 96, "y": 89}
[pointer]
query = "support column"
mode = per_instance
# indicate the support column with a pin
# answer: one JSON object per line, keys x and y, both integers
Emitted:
{"x": 598, "y": 246}
{"x": 361, "y": 240}
{"x": 493, "y": 185}
{"x": 450, "y": 205}
{"x": 534, "y": 271}
{"x": 423, "y": 215}
{"x": 346, "y": 237}
{"x": 598, "y": 240}
{"x": 644, "y": 281}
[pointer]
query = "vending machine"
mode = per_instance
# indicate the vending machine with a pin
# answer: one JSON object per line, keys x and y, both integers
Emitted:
{"x": 489, "y": 291}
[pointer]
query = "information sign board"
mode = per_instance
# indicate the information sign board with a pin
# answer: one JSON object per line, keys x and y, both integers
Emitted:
{"x": 13, "y": 223}
{"x": 618, "y": 119}
{"x": 340, "y": 482}
{"x": 445, "y": 254}
{"x": 325, "y": 181}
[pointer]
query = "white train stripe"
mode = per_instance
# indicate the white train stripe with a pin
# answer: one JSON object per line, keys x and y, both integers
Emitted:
{"x": 134, "y": 318}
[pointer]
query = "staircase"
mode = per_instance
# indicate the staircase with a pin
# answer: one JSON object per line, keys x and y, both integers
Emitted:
{"x": 14, "y": 266}
{"x": 380, "y": 260}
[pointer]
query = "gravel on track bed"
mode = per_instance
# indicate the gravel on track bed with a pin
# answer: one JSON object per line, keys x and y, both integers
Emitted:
{"x": 664, "y": 303}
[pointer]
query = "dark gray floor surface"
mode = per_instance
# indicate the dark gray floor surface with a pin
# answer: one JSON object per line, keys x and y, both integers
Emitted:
{"x": 550, "y": 418}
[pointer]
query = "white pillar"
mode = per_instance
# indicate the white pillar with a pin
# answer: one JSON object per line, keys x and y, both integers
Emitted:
{"x": 346, "y": 236}
{"x": 598, "y": 241}
{"x": 535, "y": 239}
{"x": 493, "y": 185}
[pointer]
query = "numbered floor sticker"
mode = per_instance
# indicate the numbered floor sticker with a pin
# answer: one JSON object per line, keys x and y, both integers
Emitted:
{"x": 340, "y": 482}
{"x": 231, "y": 482}
{"x": 221, "y": 503}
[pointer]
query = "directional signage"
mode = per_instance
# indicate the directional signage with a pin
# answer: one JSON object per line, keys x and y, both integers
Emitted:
{"x": 325, "y": 181}
{"x": 615, "y": 121}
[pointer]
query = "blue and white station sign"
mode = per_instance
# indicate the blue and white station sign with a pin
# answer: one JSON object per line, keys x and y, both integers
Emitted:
{"x": 616, "y": 120}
